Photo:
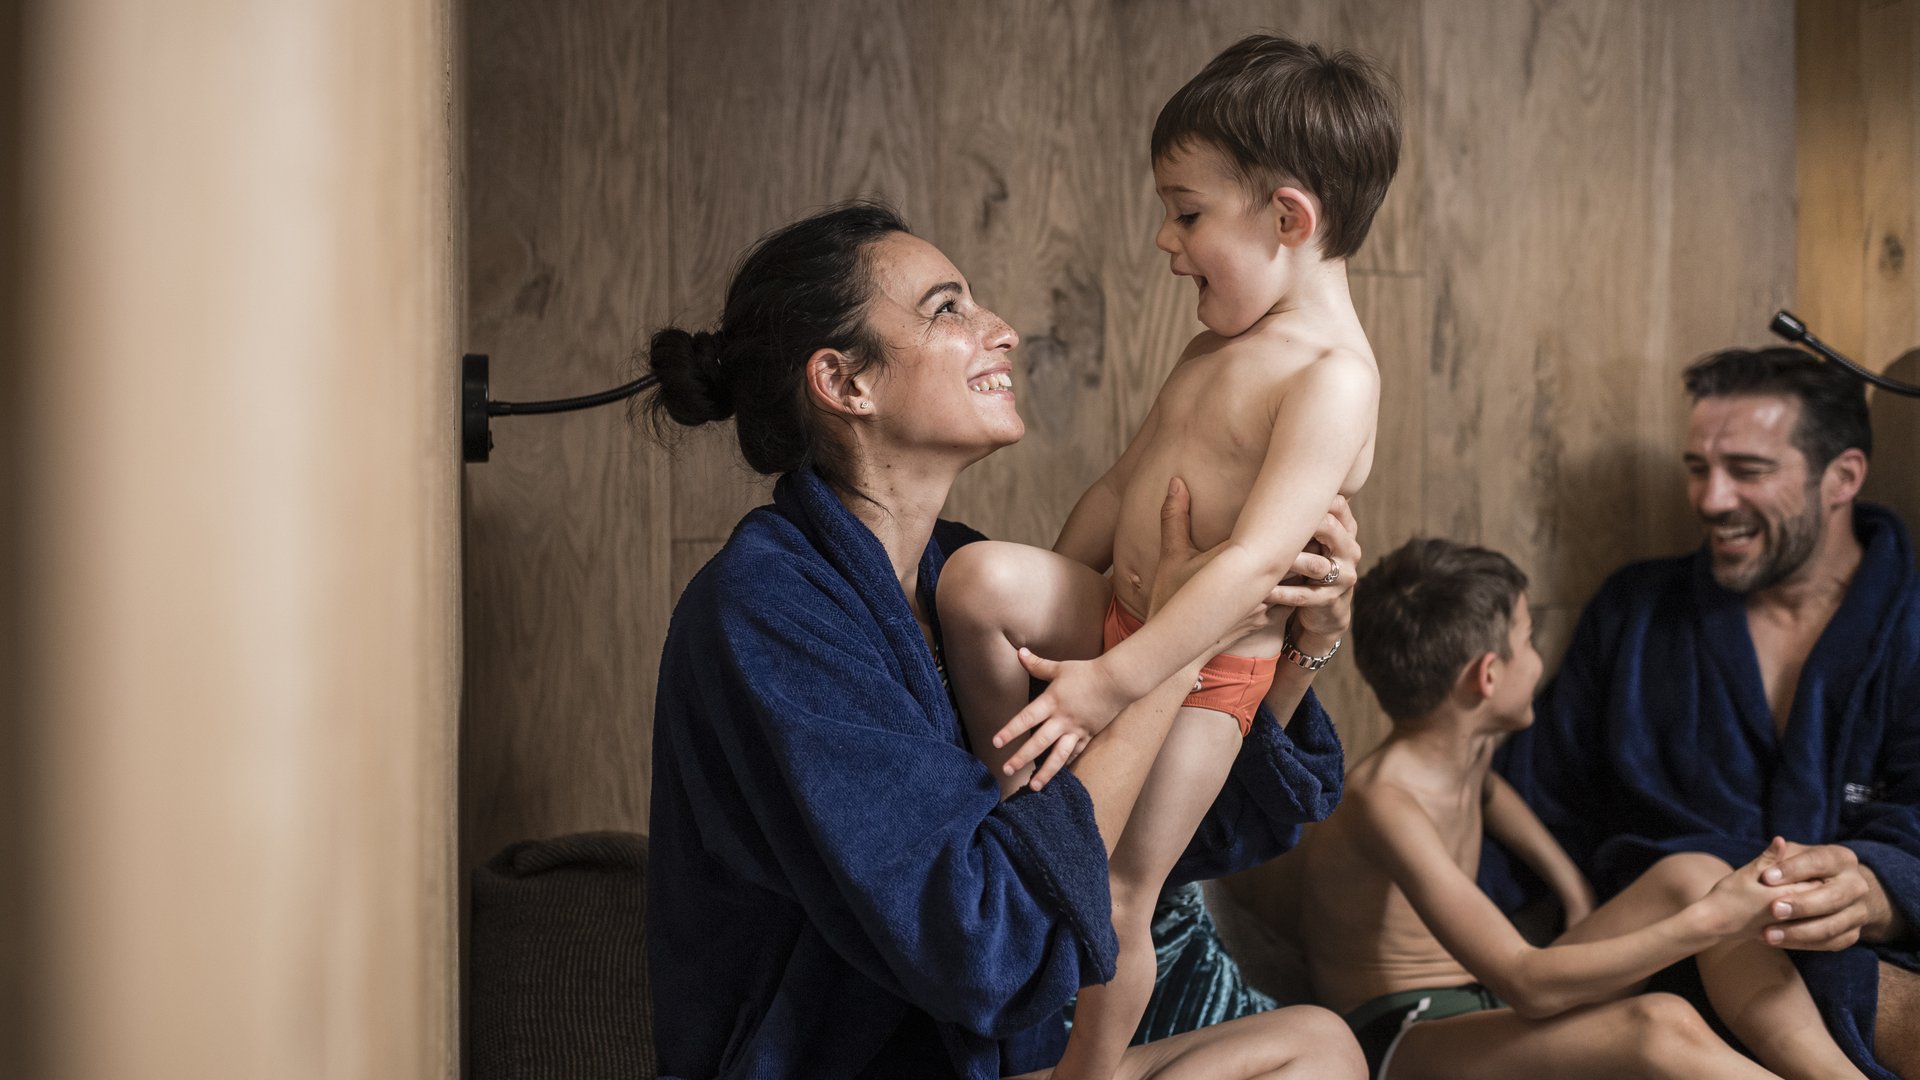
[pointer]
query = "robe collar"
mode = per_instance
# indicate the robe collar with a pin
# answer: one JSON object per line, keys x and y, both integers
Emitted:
{"x": 810, "y": 503}
{"x": 1875, "y": 598}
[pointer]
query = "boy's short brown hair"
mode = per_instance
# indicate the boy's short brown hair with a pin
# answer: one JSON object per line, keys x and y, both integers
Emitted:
{"x": 1423, "y": 613}
{"x": 1285, "y": 111}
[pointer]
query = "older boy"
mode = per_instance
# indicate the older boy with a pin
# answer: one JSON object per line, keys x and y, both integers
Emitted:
{"x": 1432, "y": 977}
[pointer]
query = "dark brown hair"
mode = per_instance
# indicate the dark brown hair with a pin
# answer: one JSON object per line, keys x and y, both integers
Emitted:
{"x": 1423, "y": 613}
{"x": 1285, "y": 111}
{"x": 802, "y": 288}
{"x": 1833, "y": 404}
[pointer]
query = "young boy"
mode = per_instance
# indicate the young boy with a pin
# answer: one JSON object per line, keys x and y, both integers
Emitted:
{"x": 1270, "y": 165}
{"x": 1433, "y": 979}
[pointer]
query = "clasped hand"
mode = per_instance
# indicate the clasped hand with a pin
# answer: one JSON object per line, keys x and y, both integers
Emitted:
{"x": 1083, "y": 696}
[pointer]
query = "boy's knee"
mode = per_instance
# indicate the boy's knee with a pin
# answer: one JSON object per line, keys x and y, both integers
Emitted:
{"x": 978, "y": 581}
{"x": 1665, "y": 1027}
{"x": 1689, "y": 875}
{"x": 1319, "y": 1036}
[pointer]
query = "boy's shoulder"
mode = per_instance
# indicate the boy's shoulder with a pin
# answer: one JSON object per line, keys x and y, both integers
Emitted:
{"x": 1290, "y": 358}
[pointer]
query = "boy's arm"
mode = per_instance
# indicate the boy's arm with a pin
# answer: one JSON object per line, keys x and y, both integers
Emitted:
{"x": 1512, "y": 822}
{"x": 1320, "y": 428}
{"x": 1396, "y": 834}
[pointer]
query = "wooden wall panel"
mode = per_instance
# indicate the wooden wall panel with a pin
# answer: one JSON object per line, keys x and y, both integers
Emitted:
{"x": 569, "y": 553}
{"x": 242, "y": 514}
{"x": 1858, "y": 173}
{"x": 19, "y": 921}
{"x": 1590, "y": 195}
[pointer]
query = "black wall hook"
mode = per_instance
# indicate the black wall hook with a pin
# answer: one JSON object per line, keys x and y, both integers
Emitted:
{"x": 1788, "y": 325}
{"x": 476, "y": 411}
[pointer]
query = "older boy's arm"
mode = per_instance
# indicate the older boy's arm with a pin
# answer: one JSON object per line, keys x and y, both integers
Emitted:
{"x": 1512, "y": 822}
{"x": 1397, "y": 835}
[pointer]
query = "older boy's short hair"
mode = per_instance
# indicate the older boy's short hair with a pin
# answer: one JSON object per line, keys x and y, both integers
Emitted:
{"x": 1423, "y": 613}
{"x": 1833, "y": 404}
{"x": 1285, "y": 111}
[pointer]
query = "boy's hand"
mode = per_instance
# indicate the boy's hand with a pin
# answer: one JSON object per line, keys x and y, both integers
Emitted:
{"x": 1053, "y": 712}
{"x": 1741, "y": 903}
{"x": 1081, "y": 700}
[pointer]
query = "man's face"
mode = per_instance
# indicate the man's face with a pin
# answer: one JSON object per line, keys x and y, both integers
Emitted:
{"x": 1752, "y": 489}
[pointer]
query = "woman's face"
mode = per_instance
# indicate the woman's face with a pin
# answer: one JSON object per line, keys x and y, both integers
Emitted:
{"x": 947, "y": 386}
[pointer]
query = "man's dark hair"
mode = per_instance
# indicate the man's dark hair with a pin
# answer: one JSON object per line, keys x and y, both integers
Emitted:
{"x": 1833, "y": 404}
{"x": 1280, "y": 111}
{"x": 1423, "y": 613}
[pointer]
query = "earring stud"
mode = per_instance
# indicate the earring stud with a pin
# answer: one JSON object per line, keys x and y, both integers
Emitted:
{"x": 866, "y": 405}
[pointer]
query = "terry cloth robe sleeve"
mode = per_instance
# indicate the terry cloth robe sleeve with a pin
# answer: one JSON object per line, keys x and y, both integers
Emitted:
{"x": 1282, "y": 779}
{"x": 894, "y": 841}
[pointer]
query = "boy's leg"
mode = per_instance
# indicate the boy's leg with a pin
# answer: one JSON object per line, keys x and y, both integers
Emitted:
{"x": 1754, "y": 988}
{"x": 995, "y": 598}
{"x": 1303, "y": 1041}
{"x": 1656, "y": 1035}
{"x": 1185, "y": 779}
{"x": 1666, "y": 887}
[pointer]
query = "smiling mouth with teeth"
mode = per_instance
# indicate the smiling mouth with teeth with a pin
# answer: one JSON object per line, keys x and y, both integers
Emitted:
{"x": 987, "y": 384}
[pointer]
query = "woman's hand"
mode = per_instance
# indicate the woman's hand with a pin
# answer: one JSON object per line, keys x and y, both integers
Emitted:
{"x": 1323, "y": 609}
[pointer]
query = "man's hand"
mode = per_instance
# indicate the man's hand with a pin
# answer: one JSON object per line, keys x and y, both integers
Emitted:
{"x": 1845, "y": 905}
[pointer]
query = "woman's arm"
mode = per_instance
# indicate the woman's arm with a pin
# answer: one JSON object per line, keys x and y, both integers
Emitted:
{"x": 1396, "y": 834}
{"x": 1510, "y": 821}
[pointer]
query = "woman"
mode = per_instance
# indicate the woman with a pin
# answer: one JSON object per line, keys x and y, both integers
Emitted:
{"x": 836, "y": 889}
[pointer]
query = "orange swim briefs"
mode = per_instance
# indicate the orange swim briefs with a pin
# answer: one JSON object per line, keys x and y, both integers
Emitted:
{"x": 1230, "y": 684}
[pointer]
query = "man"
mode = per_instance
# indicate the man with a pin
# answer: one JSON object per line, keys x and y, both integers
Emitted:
{"x": 1768, "y": 683}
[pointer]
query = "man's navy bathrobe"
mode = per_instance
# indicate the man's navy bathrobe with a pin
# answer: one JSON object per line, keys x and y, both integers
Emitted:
{"x": 836, "y": 889}
{"x": 1656, "y": 737}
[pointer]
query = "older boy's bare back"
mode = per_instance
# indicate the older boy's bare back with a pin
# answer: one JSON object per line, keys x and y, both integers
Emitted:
{"x": 1367, "y": 940}
{"x": 1214, "y": 425}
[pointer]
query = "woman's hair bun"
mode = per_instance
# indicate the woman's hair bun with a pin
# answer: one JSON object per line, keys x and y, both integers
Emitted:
{"x": 693, "y": 387}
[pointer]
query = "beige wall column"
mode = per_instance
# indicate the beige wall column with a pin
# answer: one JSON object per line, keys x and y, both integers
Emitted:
{"x": 241, "y": 529}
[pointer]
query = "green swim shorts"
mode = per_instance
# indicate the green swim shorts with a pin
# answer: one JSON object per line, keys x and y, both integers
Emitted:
{"x": 1379, "y": 1023}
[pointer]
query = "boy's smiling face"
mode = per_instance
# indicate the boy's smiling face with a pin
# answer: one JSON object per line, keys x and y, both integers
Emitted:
{"x": 1231, "y": 249}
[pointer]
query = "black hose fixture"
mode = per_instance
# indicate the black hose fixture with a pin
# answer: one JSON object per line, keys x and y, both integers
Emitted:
{"x": 1789, "y": 326}
{"x": 476, "y": 411}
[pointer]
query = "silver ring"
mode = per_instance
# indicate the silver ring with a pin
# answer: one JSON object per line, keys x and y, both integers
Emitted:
{"x": 1333, "y": 575}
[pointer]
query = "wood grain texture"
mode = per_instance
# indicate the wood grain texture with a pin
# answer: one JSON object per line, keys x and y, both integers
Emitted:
{"x": 1590, "y": 195}
{"x": 568, "y": 541}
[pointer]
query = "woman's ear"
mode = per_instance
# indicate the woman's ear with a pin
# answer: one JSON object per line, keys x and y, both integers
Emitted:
{"x": 833, "y": 386}
{"x": 1296, "y": 216}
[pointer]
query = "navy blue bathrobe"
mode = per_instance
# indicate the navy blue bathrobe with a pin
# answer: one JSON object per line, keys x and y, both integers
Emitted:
{"x": 1655, "y": 737}
{"x": 836, "y": 889}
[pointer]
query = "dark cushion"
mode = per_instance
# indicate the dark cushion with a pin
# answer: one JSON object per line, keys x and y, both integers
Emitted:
{"x": 557, "y": 962}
